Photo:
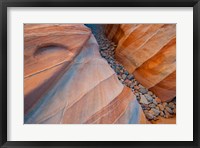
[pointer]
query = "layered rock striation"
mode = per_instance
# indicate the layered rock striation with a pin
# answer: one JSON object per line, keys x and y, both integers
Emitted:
{"x": 68, "y": 82}
{"x": 148, "y": 51}
{"x": 155, "y": 111}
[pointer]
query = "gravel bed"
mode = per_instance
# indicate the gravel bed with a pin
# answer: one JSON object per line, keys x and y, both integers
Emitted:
{"x": 150, "y": 103}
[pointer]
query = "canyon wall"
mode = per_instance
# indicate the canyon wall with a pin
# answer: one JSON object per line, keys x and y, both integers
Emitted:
{"x": 66, "y": 81}
{"x": 148, "y": 51}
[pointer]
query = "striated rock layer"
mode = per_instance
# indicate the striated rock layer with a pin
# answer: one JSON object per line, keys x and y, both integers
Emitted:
{"x": 149, "y": 52}
{"x": 68, "y": 82}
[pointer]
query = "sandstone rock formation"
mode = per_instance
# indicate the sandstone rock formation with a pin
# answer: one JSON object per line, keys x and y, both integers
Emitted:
{"x": 149, "y": 52}
{"x": 66, "y": 81}
{"x": 47, "y": 50}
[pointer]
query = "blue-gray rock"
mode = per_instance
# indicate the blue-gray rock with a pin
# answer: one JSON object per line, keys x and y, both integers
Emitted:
{"x": 132, "y": 86}
{"x": 143, "y": 90}
{"x": 155, "y": 112}
{"x": 149, "y": 98}
{"x": 143, "y": 100}
{"x": 126, "y": 72}
{"x": 150, "y": 93}
{"x": 124, "y": 76}
{"x": 169, "y": 110}
{"x": 130, "y": 77}
{"x": 154, "y": 102}
{"x": 171, "y": 105}
{"x": 149, "y": 116}
{"x": 152, "y": 105}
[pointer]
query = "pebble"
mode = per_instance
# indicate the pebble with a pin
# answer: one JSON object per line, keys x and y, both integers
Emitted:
{"x": 171, "y": 105}
{"x": 157, "y": 100}
{"x": 164, "y": 104}
{"x": 103, "y": 48}
{"x": 132, "y": 86}
{"x": 149, "y": 116}
{"x": 136, "y": 87}
{"x": 169, "y": 110}
{"x": 143, "y": 90}
{"x": 148, "y": 97}
{"x": 157, "y": 107}
{"x": 167, "y": 115}
{"x": 141, "y": 86}
{"x": 154, "y": 102}
{"x": 161, "y": 107}
{"x": 152, "y": 105}
{"x": 155, "y": 111}
{"x": 145, "y": 107}
{"x": 130, "y": 77}
{"x": 143, "y": 100}
{"x": 135, "y": 83}
{"x": 162, "y": 114}
{"x": 150, "y": 93}
{"x": 137, "y": 94}
{"x": 124, "y": 76}
{"x": 126, "y": 72}
{"x": 129, "y": 83}
{"x": 126, "y": 81}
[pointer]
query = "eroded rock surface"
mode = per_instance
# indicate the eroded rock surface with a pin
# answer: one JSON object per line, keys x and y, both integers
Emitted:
{"x": 148, "y": 51}
{"x": 152, "y": 106}
{"x": 72, "y": 83}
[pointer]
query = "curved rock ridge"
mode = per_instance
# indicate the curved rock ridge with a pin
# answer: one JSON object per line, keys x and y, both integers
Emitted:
{"x": 82, "y": 89}
{"x": 148, "y": 51}
{"x": 48, "y": 49}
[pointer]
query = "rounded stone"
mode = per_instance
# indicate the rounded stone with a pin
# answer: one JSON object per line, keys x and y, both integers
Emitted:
{"x": 150, "y": 93}
{"x": 126, "y": 72}
{"x": 152, "y": 105}
{"x": 130, "y": 77}
{"x": 167, "y": 115}
{"x": 171, "y": 105}
{"x": 162, "y": 114}
{"x": 160, "y": 107}
{"x": 124, "y": 76}
{"x": 143, "y": 100}
{"x": 136, "y": 87}
{"x": 155, "y": 111}
{"x": 164, "y": 104}
{"x": 149, "y": 116}
{"x": 148, "y": 97}
{"x": 168, "y": 109}
{"x": 154, "y": 102}
{"x": 143, "y": 90}
{"x": 157, "y": 100}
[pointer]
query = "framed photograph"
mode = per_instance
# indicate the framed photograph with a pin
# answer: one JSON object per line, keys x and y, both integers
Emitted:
{"x": 105, "y": 73}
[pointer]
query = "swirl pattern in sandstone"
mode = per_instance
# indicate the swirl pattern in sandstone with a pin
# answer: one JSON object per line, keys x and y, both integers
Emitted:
{"x": 148, "y": 51}
{"x": 68, "y": 82}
